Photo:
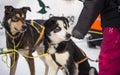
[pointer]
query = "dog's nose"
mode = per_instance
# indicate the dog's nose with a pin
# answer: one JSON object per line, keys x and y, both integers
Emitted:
{"x": 24, "y": 27}
{"x": 68, "y": 35}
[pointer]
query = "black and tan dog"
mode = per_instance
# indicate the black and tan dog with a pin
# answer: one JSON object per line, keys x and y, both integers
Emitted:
{"x": 63, "y": 52}
{"x": 21, "y": 35}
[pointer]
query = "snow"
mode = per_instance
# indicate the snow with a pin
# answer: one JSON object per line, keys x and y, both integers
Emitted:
{"x": 23, "y": 69}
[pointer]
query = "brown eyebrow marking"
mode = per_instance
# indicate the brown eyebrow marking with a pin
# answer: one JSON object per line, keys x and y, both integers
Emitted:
{"x": 17, "y": 15}
{"x": 23, "y": 15}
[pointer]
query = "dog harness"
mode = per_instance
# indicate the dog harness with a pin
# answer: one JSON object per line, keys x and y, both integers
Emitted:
{"x": 77, "y": 62}
{"x": 54, "y": 58}
{"x": 41, "y": 32}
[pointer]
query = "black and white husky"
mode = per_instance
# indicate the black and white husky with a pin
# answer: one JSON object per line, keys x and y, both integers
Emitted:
{"x": 63, "y": 52}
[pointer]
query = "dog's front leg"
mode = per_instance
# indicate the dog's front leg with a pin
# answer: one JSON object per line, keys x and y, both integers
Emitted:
{"x": 46, "y": 65}
{"x": 40, "y": 50}
{"x": 52, "y": 70}
{"x": 53, "y": 67}
{"x": 31, "y": 65}
{"x": 14, "y": 60}
{"x": 30, "y": 61}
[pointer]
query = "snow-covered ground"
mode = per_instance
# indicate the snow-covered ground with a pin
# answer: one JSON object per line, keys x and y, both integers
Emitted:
{"x": 22, "y": 68}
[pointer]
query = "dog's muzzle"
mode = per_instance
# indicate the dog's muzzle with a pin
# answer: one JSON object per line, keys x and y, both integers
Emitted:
{"x": 24, "y": 28}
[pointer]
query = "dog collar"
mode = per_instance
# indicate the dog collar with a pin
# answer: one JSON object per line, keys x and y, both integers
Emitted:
{"x": 54, "y": 46}
{"x": 12, "y": 35}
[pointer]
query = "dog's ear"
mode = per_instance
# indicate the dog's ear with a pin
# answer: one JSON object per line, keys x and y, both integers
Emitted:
{"x": 24, "y": 9}
{"x": 66, "y": 22}
{"x": 8, "y": 9}
{"x": 49, "y": 22}
{"x": 65, "y": 19}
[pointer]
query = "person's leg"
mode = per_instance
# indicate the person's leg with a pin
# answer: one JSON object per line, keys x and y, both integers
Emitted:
{"x": 109, "y": 58}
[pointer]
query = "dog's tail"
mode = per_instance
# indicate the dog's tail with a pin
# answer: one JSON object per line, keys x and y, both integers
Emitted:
{"x": 93, "y": 71}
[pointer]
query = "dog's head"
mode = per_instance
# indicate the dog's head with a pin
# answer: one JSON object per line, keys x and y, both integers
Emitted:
{"x": 14, "y": 19}
{"x": 56, "y": 29}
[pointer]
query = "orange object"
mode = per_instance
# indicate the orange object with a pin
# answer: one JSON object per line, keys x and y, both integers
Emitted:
{"x": 97, "y": 24}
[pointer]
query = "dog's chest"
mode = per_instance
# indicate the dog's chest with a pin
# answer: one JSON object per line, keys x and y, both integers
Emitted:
{"x": 23, "y": 40}
{"x": 60, "y": 57}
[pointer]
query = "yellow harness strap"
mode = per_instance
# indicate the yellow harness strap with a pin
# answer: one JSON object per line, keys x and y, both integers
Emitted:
{"x": 41, "y": 33}
{"x": 95, "y": 32}
{"x": 81, "y": 60}
{"x": 16, "y": 51}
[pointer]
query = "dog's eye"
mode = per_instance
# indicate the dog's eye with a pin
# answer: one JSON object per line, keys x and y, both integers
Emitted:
{"x": 15, "y": 19}
{"x": 57, "y": 29}
{"x": 66, "y": 26}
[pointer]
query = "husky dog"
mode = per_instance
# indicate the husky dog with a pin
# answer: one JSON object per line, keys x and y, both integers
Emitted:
{"x": 63, "y": 52}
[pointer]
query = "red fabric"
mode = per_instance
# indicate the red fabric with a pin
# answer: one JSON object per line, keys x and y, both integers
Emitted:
{"x": 110, "y": 52}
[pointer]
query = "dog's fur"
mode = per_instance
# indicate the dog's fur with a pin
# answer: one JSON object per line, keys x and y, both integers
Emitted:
{"x": 62, "y": 50}
{"x": 21, "y": 35}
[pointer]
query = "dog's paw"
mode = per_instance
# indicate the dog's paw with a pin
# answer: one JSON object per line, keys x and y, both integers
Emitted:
{"x": 51, "y": 50}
